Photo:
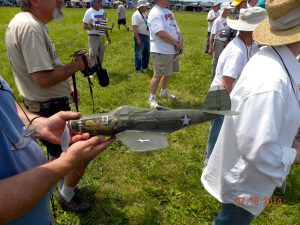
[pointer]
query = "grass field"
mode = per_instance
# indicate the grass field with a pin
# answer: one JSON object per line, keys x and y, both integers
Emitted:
{"x": 160, "y": 187}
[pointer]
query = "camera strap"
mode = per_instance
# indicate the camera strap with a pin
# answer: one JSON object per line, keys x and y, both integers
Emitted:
{"x": 83, "y": 56}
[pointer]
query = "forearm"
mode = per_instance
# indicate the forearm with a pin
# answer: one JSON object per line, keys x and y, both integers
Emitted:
{"x": 227, "y": 83}
{"x": 211, "y": 41}
{"x": 135, "y": 31}
{"x": 106, "y": 34}
{"x": 22, "y": 192}
{"x": 212, "y": 19}
{"x": 22, "y": 115}
{"x": 49, "y": 78}
{"x": 87, "y": 26}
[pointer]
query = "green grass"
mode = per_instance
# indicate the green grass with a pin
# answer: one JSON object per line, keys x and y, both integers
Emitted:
{"x": 160, "y": 187}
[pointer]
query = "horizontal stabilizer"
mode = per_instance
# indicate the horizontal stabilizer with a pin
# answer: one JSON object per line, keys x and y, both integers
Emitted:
{"x": 142, "y": 141}
{"x": 217, "y": 99}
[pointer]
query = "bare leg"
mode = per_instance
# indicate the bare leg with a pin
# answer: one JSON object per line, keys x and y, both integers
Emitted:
{"x": 164, "y": 82}
{"x": 154, "y": 84}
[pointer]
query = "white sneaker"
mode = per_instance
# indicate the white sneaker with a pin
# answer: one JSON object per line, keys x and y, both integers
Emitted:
{"x": 165, "y": 94}
{"x": 153, "y": 104}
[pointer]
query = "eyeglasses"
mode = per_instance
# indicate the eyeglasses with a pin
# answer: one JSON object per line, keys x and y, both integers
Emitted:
{"x": 26, "y": 136}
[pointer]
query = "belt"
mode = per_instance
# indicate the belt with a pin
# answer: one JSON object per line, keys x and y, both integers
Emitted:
{"x": 219, "y": 40}
{"x": 95, "y": 35}
{"x": 34, "y": 106}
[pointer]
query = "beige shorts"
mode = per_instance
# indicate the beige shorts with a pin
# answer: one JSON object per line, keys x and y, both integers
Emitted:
{"x": 164, "y": 64}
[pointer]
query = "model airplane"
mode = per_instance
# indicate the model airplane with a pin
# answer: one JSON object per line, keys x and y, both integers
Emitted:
{"x": 142, "y": 129}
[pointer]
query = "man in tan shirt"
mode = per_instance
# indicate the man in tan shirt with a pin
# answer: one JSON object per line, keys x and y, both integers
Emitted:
{"x": 41, "y": 78}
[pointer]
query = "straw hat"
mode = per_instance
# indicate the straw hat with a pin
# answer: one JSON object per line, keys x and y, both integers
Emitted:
{"x": 141, "y": 3}
{"x": 283, "y": 24}
{"x": 248, "y": 19}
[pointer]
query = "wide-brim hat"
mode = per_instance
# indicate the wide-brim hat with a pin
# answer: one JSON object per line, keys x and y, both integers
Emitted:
{"x": 141, "y": 3}
{"x": 226, "y": 5}
{"x": 282, "y": 26}
{"x": 216, "y": 3}
{"x": 248, "y": 19}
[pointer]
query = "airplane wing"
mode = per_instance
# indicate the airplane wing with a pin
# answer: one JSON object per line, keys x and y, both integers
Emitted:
{"x": 221, "y": 112}
{"x": 141, "y": 141}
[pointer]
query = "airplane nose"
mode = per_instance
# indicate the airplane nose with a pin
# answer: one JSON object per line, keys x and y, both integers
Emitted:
{"x": 74, "y": 125}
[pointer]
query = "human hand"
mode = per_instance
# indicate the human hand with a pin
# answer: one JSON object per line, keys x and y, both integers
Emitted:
{"x": 296, "y": 145}
{"x": 96, "y": 27}
{"x": 210, "y": 51}
{"x": 108, "y": 40}
{"x": 91, "y": 26}
{"x": 83, "y": 151}
{"x": 78, "y": 59}
{"x": 138, "y": 41}
{"x": 51, "y": 129}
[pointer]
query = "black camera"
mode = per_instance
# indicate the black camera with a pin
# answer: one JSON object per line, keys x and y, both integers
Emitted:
{"x": 102, "y": 74}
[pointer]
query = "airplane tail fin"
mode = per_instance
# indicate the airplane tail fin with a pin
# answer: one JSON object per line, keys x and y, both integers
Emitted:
{"x": 217, "y": 102}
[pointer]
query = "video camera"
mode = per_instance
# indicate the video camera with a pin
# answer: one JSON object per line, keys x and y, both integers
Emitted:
{"x": 102, "y": 74}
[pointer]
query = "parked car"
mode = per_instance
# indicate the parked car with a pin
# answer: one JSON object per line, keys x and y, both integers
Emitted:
{"x": 5, "y": 3}
{"x": 195, "y": 7}
{"x": 69, "y": 4}
{"x": 206, "y": 6}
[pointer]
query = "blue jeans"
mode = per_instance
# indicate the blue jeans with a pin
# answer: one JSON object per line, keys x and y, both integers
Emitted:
{"x": 141, "y": 52}
{"x": 215, "y": 127}
{"x": 207, "y": 42}
{"x": 233, "y": 215}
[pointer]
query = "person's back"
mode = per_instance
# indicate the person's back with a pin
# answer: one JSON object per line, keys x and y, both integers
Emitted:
{"x": 121, "y": 11}
{"x": 237, "y": 50}
{"x": 121, "y": 16}
{"x": 256, "y": 149}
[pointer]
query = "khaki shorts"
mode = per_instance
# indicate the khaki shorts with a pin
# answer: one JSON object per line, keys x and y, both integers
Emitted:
{"x": 164, "y": 65}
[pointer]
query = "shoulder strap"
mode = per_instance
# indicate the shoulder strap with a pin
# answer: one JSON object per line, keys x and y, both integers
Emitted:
{"x": 285, "y": 69}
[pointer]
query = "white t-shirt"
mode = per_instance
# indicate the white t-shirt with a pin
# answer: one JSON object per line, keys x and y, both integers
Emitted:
{"x": 137, "y": 20}
{"x": 253, "y": 153}
{"x": 231, "y": 61}
{"x": 162, "y": 19}
{"x": 121, "y": 12}
{"x": 220, "y": 28}
{"x": 97, "y": 18}
{"x": 211, "y": 14}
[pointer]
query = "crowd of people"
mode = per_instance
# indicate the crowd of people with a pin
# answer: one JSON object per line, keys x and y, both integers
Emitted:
{"x": 255, "y": 59}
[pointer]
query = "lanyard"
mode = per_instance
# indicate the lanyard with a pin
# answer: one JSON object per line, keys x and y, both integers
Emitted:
{"x": 248, "y": 53}
{"x": 145, "y": 20}
{"x": 286, "y": 70}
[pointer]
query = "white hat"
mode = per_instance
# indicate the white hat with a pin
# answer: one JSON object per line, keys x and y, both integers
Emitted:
{"x": 226, "y": 5}
{"x": 141, "y": 3}
{"x": 248, "y": 19}
{"x": 216, "y": 3}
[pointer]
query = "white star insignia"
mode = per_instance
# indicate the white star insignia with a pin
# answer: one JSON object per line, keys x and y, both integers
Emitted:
{"x": 185, "y": 120}
{"x": 143, "y": 140}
